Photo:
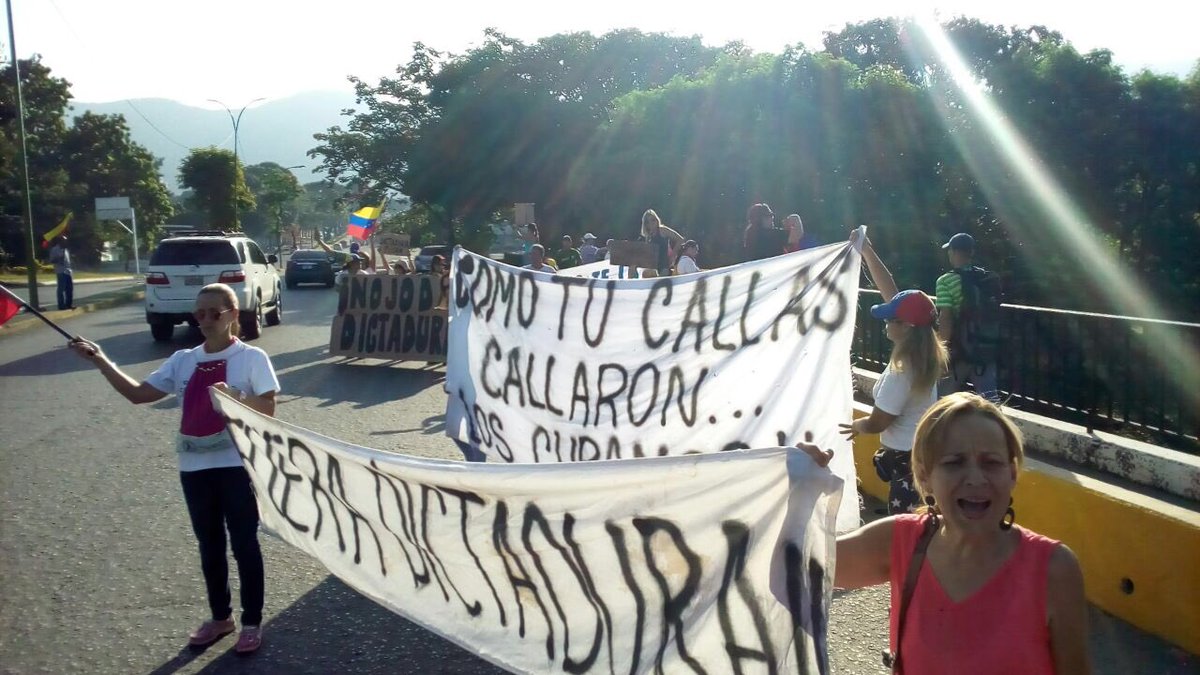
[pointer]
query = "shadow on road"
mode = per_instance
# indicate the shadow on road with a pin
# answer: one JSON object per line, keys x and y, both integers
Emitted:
{"x": 56, "y": 360}
{"x": 319, "y": 305}
{"x": 363, "y": 384}
{"x": 332, "y": 629}
{"x": 435, "y": 424}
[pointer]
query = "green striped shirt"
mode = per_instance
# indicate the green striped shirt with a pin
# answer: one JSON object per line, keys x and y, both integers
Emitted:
{"x": 949, "y": 291}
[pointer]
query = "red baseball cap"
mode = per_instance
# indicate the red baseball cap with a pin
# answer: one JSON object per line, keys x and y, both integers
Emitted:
{"x": 911, "y": 307}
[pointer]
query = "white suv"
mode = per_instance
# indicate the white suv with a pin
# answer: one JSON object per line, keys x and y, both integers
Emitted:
{"x": 182, "y": 265}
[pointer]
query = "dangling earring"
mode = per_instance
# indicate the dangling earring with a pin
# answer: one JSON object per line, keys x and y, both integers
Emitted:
{"x": 934, "y": 513}
{"x": 1006, "y": 522}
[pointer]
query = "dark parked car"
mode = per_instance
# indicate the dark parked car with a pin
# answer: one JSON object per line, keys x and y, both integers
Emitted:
{"x": 309, "y": 266}
{"x": 425, "y": 257}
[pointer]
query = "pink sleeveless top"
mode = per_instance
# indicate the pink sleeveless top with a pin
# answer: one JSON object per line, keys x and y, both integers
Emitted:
{"x": 1000, "y": 629}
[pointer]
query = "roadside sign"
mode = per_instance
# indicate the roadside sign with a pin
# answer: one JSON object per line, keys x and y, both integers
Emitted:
{"x": 393, "y": 243}
{"x": 113, "y": 208}
{"x": 522, "y": 214}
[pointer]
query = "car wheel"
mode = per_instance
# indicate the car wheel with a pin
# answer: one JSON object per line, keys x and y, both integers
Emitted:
{"x": 275, "y": 316}
{"x": 252, "y": 322}
{"x": 162, "y": 331}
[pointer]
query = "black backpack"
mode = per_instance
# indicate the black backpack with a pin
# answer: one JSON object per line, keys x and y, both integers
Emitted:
{"x": 976, "y": 335}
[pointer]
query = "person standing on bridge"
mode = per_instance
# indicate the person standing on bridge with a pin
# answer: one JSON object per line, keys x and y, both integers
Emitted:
{"x": 968, "y": 297}
{"x": 216, "y": 486}
{"x": 971, "y": 592}
{"x": 907, "y": 386}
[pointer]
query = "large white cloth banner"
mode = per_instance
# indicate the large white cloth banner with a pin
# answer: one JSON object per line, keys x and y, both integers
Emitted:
{"x": 716, "y": 563}
{"x": 552, "y": 368}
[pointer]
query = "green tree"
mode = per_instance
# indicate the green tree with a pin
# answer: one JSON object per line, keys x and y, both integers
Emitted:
{"x": 469, "y": 135}
{"x": 103, "y": 161}
{"x": 275, "y": 192}
{"x": 45, "y": 98}
{"x": 71, "y": 166}
{"x": 873, "y": 129}
{"x": 216, "y": 180}
{"x": 324, "y": 205}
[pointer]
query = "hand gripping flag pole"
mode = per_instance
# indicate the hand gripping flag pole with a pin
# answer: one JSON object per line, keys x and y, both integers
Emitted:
{"x": 10, "y": 303}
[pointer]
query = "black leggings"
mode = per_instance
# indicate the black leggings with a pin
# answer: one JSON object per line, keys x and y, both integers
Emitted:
{"x": 216, "y": 499}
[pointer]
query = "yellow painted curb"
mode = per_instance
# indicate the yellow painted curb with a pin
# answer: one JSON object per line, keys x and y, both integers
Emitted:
{"x": 1140, "y": 556}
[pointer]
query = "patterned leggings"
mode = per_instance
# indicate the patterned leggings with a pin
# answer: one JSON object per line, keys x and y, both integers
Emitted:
{"x": 894, "y": 467}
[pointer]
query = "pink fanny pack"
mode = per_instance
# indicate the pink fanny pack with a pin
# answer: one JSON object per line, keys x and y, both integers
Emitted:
{"x": 199, "y": 417}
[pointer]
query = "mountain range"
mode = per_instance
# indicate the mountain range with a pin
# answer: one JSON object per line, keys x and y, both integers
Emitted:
{"x": 279, "y": 131}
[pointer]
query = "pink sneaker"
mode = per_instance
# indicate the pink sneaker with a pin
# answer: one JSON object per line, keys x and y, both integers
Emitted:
{"x": 249, "y": 641}
{"x": 211, "y": 631}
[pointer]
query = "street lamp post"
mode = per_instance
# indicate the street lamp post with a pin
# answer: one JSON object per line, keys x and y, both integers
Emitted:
{"x": 237, "y": 121}
{"x": 30, "y": 251}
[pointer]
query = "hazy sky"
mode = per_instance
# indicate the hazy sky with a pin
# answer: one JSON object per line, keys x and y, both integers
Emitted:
{"x": 239, "y": 50}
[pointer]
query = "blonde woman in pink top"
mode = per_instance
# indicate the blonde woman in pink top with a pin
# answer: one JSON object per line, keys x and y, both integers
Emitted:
{"x": 985, "y": 596}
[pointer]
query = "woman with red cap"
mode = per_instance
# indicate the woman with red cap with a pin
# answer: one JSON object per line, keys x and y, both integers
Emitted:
{"x": 908, "y": 385}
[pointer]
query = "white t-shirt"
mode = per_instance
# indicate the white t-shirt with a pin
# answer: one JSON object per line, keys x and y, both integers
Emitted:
{"x": 686, "y": 265}
{"x": 894, "y": 395}
{"x": 342, "y": 278}
{"x": 247, "y": 369}
{"x": 544, "y": 268}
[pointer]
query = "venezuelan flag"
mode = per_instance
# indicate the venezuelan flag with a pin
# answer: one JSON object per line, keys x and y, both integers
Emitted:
{"x": 58, "y": 229}
{"x": 362, "y": 222}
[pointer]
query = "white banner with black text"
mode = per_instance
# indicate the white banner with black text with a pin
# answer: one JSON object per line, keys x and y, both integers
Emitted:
{"x": 715, "y": 563}
{"x": 553, "y": 368}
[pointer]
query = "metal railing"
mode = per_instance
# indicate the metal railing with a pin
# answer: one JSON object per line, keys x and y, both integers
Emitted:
{"x": 1098, "y": 370}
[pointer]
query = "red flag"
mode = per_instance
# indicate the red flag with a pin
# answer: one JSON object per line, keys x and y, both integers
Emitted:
{"x": 8, "y": 308}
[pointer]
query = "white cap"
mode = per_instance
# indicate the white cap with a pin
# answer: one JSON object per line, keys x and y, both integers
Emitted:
{"x": 589, "y": 236}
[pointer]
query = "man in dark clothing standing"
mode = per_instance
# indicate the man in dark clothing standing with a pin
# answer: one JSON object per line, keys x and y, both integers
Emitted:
{"x": 761, "y": 239}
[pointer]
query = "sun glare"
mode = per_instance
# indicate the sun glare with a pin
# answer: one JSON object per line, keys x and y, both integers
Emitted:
{"x": 1066, "y": 227}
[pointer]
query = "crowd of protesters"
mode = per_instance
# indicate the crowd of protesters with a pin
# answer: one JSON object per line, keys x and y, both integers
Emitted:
{"x": 672, "y": 253}
{"x": 971, "y": 591}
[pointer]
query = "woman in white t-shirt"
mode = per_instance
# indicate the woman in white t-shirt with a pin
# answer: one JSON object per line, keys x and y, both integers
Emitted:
{"x": 686, "y": 263}
{"x": 908, "y": 385}
{"x": 216, "y": 486}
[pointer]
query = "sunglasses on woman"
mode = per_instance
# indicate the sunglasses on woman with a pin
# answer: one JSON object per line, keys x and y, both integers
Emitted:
{"x": 212, "y": 313}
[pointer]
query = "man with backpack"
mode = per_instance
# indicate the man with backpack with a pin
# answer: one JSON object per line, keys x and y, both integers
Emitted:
{"x": 968, "y": 300}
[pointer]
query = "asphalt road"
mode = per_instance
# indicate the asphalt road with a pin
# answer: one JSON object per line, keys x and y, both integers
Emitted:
{"x": 83, "y": 291}
{"x": 98, "y": 565}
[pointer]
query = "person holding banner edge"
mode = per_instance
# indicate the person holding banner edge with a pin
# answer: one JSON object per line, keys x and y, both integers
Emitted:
{"x": 216, "y": 486}
{"x": 908, "y": 385}
{"x": 971, "y": 591}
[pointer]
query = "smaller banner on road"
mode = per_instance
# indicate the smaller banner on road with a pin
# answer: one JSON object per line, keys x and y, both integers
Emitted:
{"x": 391, "y": 317}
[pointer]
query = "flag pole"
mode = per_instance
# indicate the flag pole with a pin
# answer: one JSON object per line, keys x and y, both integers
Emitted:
{"x": 35, "y": 312}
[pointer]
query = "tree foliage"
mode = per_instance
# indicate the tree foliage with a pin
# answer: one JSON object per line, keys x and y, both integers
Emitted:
{"x": 874, "y": 128}
{"x": 69, "y": 167}
{"x": 275, "y": 191}
{"x": 216, "y": 180}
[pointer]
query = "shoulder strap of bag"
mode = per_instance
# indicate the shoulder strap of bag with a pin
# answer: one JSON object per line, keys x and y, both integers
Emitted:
{"x": 910, "y": 585}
